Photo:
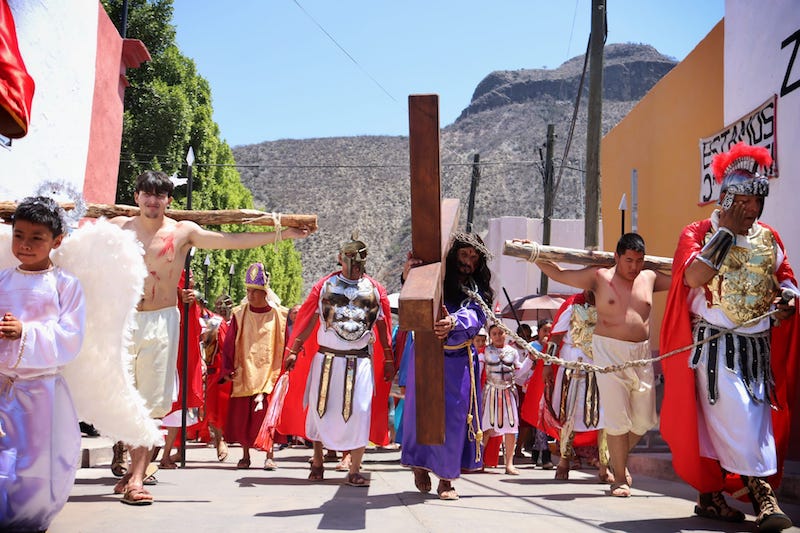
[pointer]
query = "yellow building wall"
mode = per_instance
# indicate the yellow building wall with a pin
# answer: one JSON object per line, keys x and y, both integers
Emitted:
{"x": 659, "y": 138}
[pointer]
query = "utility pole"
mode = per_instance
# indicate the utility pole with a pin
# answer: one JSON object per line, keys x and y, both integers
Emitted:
{"x": 473, "y": 187}
{"x": 549, "y": 197}
{"x": 594, "y": 129}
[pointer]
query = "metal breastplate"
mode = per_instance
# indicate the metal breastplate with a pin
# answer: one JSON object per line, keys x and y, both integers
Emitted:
{"x": 499, "y": 367}
{"x": 581, "y": 327}
{"x": 349, "y": 308}
{"x": 745, "y": 285}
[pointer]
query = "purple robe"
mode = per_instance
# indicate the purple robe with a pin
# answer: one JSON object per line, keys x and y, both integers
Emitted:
{"x": 458, "y": 450}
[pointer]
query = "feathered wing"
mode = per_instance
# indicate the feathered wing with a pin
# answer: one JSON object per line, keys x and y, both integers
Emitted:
{"x": 7, "y": 259}
{"x": 109, "y": 263}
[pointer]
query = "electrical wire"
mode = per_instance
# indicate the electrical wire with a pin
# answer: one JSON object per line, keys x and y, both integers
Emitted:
{"x": 376, "y": 82}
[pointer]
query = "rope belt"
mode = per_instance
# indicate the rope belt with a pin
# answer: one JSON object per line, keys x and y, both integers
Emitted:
{"x": 458, "y": 346}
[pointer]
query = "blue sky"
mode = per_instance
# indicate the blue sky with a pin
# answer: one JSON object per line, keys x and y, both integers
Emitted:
{"x": 298, "y": 69}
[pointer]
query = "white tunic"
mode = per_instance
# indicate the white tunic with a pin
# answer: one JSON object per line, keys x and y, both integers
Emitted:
{"x": 39, "y": 453}
{"x": 331, "y": 429}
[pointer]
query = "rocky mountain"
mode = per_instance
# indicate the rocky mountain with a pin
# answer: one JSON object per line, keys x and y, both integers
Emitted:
{"x": 361, "y": 183}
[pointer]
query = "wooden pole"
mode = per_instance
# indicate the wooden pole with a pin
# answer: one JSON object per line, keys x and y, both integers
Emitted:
{"x": 594, "y": 128}
{"x": 250, "y": 217}
{"x": 473, "y": 188}
{"x": 549, "y": 199}
{"x": 528, "y": 251}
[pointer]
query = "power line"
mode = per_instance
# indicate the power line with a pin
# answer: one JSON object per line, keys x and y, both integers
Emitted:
{"x": 332, "y": 166}
{"x": 345, "y": 51}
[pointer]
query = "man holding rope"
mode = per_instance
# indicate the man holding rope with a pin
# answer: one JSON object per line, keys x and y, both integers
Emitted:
{"x": 726, "y": 410}
{"x": 623, "y": 297}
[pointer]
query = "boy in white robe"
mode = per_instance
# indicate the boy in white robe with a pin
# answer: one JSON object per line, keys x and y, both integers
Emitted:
{"x": 41, "y": 331}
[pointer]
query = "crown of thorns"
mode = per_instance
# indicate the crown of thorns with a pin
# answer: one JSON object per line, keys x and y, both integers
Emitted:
{"x": 472, "y": 240}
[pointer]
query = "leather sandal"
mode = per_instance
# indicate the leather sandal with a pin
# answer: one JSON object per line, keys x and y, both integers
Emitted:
{"x": 620, "y": 490}
{"x": 562, "y": 471}
{"x": 356, "y": 480}
{"x": 422, "y": 480}
{"x": 317, "y": 473}
{"x": 446, "y": 491}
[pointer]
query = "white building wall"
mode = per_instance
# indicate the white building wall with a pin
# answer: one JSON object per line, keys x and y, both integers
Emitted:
{"x": 517, "y": 276}
{"x": 762, "y": 49}
{"x": 58, "y": 42}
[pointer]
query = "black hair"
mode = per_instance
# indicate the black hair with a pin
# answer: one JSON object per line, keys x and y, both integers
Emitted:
{"x": 524, "y": 329}
{"x": 40, "y": 210}
{"x": 492, "y": 326}
{"x": 482, "y": 276}
{"x": 544, "y": 322}
{"x": 630, "y": 241}
{"x": 154, "y": 182}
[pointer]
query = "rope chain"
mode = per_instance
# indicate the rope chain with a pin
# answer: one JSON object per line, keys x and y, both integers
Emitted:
{"x": 589, "y": 367}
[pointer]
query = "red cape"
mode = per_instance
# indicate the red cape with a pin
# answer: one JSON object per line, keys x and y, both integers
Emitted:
{"x": 218, "y": 394}
{"x": 531, "y": 410}
{"x": 679, "y": 408}
{"x": 16, "y": 84}
{"x": 194, "y": 396}
{"x": 293, "y": 415}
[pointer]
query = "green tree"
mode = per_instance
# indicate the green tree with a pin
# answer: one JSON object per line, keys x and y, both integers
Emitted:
{"x": 168, "y": 109}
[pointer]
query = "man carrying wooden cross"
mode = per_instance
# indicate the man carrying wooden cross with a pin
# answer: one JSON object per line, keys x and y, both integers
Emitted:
{"x": 465, "y": 265}
{"x": 155, "y": 345}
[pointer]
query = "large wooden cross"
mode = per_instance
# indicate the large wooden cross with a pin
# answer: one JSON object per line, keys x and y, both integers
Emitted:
{"x": 432, "y": 222}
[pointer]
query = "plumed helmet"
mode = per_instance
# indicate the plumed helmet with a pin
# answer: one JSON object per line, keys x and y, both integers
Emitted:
{"x": 257, "y": 277}
{"x": 737, "y": 170}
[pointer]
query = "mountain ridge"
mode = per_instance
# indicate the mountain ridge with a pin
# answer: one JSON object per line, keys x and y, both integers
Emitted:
{"x": 361, "y": 183}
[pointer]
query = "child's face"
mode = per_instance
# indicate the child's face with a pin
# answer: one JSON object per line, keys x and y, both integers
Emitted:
{"x": 31, "y": 245}
{"x": 498, "y": 337}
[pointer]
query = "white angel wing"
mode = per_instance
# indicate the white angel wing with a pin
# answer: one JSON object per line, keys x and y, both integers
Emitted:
{"x": 7, "y": 259}
{"x": 109, "y": 263}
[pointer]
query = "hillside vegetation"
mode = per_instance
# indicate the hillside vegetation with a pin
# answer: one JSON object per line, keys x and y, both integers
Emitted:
{"x": 362, "y": 183}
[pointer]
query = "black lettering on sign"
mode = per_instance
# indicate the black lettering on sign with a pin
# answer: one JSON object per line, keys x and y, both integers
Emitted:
{"x": 787, "y": 87}
{"x": 707, "y": 188}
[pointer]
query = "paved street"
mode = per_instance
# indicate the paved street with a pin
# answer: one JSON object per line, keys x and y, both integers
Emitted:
{"x": 212, "y": 496}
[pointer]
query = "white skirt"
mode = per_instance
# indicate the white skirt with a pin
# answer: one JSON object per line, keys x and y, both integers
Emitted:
{"x": 331, "y": 429}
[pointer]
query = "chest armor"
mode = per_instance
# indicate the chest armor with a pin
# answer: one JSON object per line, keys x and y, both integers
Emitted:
{"x": 499, "y": 366}
{"x": 581, "y": 327}
{"x": 349, "y": 308}
{"x": 745, "y": 285}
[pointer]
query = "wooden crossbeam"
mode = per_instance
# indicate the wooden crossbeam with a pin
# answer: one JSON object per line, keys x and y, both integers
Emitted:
{"x": 250, "y": 217}
{"x": 530, "y": 250}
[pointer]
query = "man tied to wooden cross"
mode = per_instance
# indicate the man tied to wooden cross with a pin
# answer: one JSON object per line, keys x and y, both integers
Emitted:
{"x": 465, "y": 265}
{"x": 155, "y": 341}
{"x": 623, "y": 297}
